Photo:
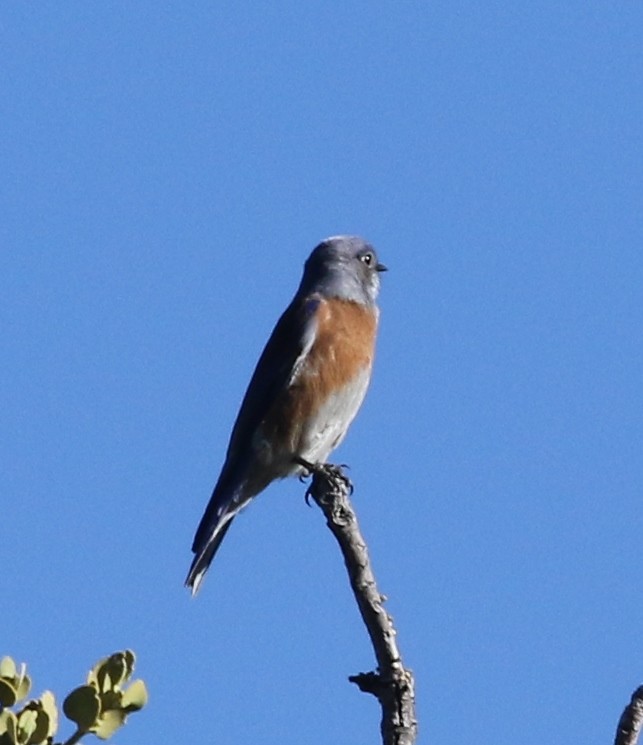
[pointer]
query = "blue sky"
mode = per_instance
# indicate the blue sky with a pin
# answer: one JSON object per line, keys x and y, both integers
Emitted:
{"x": 166, "y": 169}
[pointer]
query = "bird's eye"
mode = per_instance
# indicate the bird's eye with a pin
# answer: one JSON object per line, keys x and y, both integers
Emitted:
{"x": 367, "y": 258}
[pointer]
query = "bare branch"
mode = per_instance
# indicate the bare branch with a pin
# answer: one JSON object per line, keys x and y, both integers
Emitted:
{"x": 629, "y": 725}
{"x": 391, "y": 683}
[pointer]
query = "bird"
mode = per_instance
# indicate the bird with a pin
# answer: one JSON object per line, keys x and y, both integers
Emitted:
{"x": 307, "y": 387}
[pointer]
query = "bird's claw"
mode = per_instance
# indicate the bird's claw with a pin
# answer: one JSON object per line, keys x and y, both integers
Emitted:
{"x": 329, "y": 471}
{"x": 307, "y": 495}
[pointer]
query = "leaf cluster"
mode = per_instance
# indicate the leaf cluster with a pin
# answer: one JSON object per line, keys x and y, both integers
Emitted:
{"x": 99, "y": 707}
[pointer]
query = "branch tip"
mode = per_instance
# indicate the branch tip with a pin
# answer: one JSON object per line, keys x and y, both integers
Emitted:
{"x": 392, "y": 685}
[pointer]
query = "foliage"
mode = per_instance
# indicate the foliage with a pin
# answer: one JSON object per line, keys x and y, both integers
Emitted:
{"x": 99, "y": 707}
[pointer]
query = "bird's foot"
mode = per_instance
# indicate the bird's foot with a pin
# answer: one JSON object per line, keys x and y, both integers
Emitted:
{"x": 332, "y": 473}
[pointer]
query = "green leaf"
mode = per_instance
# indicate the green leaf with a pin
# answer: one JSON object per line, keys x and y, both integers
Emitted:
{"x": 14, "y": 683}
{"x": 130, "y": 662}
{"x": 33, "y": 724}
{"x": 23, "y": 685}
{"x": 8, "y": 694}
{"x": 110, "y": 672}
{"x": 8, "y": 728}
{"x": 38, "y": 720}
{"x": 135, "y": 697}
{"x": 92, "y": 677}
{"x": 48, "y": 703}
{"x": 27, "y": 723}
{"x": 82, "y": 706}
{"x": 110, "y": 700}
{"x": 8, "y": 668}
{"x": 109, "y": 722}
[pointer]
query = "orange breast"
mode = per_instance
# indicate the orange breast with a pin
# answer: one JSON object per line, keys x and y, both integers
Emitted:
{"x": 343, "y": 347}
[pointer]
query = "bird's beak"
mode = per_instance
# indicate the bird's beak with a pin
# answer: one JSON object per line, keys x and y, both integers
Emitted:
{"x": 381, "y": 268}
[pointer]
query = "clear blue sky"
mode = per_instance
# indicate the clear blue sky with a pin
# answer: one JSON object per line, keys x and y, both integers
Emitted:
{"x": 166, "y": 169}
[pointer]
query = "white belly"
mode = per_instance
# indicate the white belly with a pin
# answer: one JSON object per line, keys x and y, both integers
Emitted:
{"x": 323, "y": 431}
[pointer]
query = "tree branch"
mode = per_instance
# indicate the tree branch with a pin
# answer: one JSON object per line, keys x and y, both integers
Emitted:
{"x": 391, "y": 683}
{"x": 629, "y": 725}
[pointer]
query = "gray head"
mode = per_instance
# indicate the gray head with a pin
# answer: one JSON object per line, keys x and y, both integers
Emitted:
{"x": 345, "y": 267}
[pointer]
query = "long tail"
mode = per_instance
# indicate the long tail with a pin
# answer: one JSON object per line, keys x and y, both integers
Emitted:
{"x": 217, "y": 519}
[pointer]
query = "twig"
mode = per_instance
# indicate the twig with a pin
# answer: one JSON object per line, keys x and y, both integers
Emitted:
{"x": 391, "y": 683}
{"x": 629, "y": 725}
{"x": 75, "y": 737}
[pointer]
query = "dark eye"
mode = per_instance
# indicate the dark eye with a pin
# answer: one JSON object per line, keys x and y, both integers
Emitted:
{"x": 367, "y": 258}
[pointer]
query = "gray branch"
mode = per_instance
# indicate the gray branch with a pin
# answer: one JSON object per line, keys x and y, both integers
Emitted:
{"x": 392, "y": 684}
{"x": 629, "y": 725}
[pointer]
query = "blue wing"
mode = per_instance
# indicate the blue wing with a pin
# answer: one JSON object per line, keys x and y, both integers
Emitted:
{"x": 289, "y": 342}
{"x": 291, "y": 338}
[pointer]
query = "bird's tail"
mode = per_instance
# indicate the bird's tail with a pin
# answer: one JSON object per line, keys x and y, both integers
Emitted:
{"x": 216, "y": 521}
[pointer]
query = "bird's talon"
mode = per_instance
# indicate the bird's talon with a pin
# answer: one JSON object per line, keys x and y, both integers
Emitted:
{"x": 335, "y": 474}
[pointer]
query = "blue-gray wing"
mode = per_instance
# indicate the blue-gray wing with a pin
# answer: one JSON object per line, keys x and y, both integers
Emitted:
{"x": 289, "y": 342}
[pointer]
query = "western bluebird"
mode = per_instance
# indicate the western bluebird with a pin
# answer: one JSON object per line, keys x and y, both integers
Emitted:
{"x": 306, "y": 389}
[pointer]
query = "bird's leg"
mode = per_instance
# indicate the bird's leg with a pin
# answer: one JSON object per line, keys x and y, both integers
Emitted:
{"x": 310, "y": 467}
